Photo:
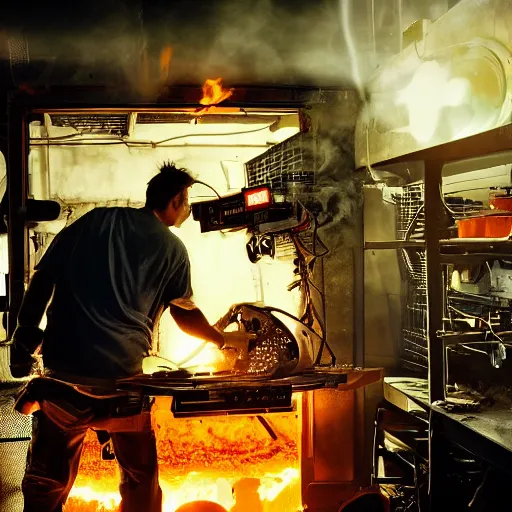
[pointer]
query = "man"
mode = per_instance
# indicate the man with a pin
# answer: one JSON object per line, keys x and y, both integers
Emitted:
{"x": 109, "y": 276}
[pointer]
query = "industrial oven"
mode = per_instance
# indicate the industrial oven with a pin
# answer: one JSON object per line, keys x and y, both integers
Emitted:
{"x": 287, "y": 430}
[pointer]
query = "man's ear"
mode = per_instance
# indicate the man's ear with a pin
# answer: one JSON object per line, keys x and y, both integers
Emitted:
{"x": 177, "y": 201}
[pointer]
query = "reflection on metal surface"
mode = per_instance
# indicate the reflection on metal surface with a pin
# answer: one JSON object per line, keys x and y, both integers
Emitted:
{"x": 429, "y": 97}
{"x": 458, "y": 92}
{"x": 283, "y": 344}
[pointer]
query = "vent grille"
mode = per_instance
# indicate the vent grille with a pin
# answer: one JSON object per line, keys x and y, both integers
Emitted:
{"x": 288, "y": 162}
{"x": 111, "y": 124}
{"x": 19, "y": 58}
{"x": 145, "y": 118}
{"x": 18, "y": 51}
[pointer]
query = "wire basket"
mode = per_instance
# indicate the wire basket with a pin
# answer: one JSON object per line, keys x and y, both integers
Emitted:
{"x": 410, "y": 225}
{"x": 410, "y": 215}
{"x": 290, "y": 162}
{"x": 414, "y": 264}
{"x": 414, "y": 330}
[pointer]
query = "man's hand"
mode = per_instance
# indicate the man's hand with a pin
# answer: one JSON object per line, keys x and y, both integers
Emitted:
{"x": 24, "y": 339}
{"x": 238, "y": 341}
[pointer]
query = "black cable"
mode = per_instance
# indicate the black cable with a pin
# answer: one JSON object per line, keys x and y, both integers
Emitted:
{"x": 208, "y": 186}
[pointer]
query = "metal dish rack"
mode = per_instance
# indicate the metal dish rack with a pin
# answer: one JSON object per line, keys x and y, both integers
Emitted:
{"x": 410, "y": 225}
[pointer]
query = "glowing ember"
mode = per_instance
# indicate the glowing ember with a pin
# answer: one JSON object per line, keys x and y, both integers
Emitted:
{"x": 231, "y": 461}
{"x": 196, "y": 486}
{"x": 273, "y": 484}
{"x": 83, "y": 498}
{"x": 214, "y": 92}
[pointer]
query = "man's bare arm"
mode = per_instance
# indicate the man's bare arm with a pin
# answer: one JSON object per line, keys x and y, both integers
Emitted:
{"x": 191, "y": 320}
{"x": 28, "y": 336}
{"x": 35, "y": 300}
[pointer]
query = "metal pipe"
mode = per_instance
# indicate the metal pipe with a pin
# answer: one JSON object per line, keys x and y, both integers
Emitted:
{"x": 17, "y": 193}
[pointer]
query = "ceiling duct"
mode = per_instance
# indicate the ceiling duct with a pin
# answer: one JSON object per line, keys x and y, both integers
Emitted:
{"x": 105, "y": 124}
{"x": 169, "y": 118}
{"x": 163, "y": 118}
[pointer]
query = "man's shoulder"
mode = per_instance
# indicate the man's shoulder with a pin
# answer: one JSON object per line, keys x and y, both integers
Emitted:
{"x": 176, "y": 242}
{"x": 105, "y": 212}
{"x": 96, "y": 213}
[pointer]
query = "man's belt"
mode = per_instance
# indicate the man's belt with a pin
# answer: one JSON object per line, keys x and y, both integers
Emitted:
{"x": 112, "y": 404}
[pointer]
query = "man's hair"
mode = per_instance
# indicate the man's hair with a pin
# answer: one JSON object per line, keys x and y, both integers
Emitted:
{"x": 166, "y": 185}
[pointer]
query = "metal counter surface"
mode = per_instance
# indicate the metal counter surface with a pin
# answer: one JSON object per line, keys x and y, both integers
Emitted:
{"x": 486, "y": 433}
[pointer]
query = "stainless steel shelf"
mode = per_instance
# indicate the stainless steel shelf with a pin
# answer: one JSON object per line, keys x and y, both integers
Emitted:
{"x": 457, "y": 338}
{"x": 394, "y": 244}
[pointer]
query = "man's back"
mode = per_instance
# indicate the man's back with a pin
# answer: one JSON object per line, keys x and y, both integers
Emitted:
{"x": 114, "y": 269}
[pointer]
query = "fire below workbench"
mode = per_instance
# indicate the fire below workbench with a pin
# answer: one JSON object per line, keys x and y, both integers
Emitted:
{"x": 249, "y": 463}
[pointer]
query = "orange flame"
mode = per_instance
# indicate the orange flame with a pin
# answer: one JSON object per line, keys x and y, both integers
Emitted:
{"x": 165, "y": 62}
{"x": 177, "y": 492}
{"x": 206, "y": 459}
{"x": 214, "y": 92}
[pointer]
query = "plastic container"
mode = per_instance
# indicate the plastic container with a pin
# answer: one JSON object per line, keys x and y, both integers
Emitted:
{"x": 490, "y": 226}
{"x": 503, "y": 203}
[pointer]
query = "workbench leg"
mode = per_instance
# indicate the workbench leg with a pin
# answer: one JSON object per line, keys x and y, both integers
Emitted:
{"x": 435, "y": 293}
{"x": 437, "y": 452}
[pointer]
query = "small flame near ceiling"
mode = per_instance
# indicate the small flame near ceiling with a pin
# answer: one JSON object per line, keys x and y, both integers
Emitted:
{"x": 214, "y": 92}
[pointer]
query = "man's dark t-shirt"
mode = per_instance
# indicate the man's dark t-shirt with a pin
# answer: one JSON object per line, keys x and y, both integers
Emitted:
{"x": 114, "y": 270}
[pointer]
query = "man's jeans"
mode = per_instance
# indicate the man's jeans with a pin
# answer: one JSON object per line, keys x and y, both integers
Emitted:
{"x": 54, "y": 456}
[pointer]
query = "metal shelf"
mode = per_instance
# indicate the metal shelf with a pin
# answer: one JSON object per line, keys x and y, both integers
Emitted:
{"x": 457, "y": 338}
{"x": 394, "y": 244}
{"x": 477, "y": 243}
{"x": 450, "y": 246}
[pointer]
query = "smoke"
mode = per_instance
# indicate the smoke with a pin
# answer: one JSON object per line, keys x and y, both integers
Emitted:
{"x": 120, "y": 42}
{"x": 279, "y": 41}
{"x": 294, "y": 42}
{"x": 339, "y": 192}
{"x": 337, "y": 195}
{"x": 345, "y": 12}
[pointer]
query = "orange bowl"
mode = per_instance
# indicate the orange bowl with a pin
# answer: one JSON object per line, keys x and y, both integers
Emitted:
{"x": 491, "y": 226}
{"x": 473, "y": 227}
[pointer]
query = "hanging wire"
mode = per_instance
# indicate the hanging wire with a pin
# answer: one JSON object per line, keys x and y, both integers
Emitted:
{"x": 488, "y": 323}
{"x": 116, "y": 141}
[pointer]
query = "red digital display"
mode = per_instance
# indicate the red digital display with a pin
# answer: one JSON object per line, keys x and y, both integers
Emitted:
{"x": 257, "y": 198}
